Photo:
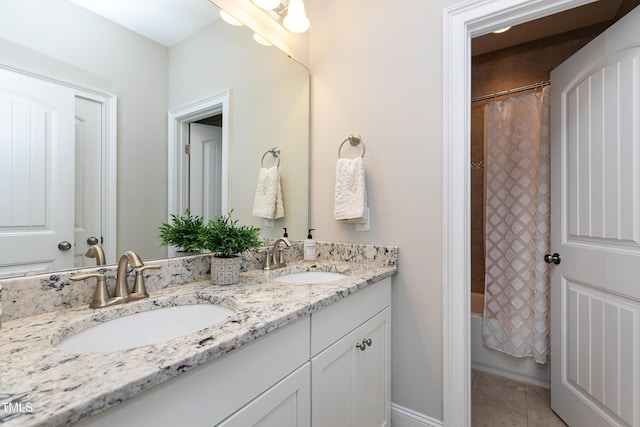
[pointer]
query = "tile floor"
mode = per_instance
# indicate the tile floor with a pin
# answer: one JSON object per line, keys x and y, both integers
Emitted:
{"x": 497, "y": 401}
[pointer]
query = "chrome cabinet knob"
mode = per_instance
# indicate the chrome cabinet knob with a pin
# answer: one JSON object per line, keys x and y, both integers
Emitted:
{"x": 64, "y": 245}
{"x": 364, "y": 344}
{"x": 92, "y": 241}
{"x": 555, "y": 258}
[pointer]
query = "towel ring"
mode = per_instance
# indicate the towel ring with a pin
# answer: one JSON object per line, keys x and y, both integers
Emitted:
{"x": 275, "y": 151}
{"x": 354, "y": 139}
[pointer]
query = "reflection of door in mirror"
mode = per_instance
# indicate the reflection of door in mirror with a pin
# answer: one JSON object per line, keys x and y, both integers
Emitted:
{"x": 199, "y": 181}
{"x": 205, "y": 170}
{"x": 37, "y": 152}
{"x": 54, "y": 141}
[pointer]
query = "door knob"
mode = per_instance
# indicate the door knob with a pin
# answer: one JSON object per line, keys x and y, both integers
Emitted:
{"x": 555, "y": 258}
{"x": 92, "y": 241}
{"x": 64, "y": 245}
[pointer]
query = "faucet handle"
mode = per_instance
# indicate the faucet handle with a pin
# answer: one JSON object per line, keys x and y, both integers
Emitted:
{"x": 100, "y": 296}
{"x": 139, "y": 288}
{"x": 266, "y": 264}
{"x": 281, "y": 255}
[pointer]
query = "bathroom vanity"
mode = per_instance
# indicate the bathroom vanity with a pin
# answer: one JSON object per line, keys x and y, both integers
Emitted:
{"x": 268, "y": 382}
{"x": 289, "y": 354}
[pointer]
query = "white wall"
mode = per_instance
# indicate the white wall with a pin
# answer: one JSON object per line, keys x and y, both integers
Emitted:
{"x": 269, "y": 107}
{"x": 376, "y": 68}
{"x": 58, "y": 38}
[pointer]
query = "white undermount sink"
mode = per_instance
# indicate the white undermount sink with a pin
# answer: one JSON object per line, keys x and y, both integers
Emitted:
{"x": 144, "y": 328}
{"x": 310, "y": 277}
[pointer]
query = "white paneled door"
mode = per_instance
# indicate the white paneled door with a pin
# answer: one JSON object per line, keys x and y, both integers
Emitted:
{"x": 36, "y": 167}
{"x": 205, "y": 170}
{"x": 595, "y": 352}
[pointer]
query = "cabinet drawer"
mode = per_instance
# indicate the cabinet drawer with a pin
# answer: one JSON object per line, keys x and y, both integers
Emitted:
{"x": 335, "y": 321}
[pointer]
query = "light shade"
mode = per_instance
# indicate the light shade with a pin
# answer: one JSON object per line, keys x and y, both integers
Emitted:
{"x": 261, "y": 40}
{"x": 267, "y": 4}
{"x": 502, "y": 30}
{"x": 229, "y": 19}
{"x": 296, "y": 20}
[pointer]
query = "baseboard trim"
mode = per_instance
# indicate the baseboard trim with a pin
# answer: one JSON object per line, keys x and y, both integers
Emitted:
{"x": 405, "y": 417}
{"x": 508, "y": 373}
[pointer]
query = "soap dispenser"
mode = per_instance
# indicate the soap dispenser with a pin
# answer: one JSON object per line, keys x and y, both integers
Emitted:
{"x": 310, "y": 248}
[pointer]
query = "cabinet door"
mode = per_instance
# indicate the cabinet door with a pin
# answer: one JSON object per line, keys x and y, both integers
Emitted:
{"x": 286, "y": 404}
{"x": 351, "y": 379}
{"x": 373, "y": 373}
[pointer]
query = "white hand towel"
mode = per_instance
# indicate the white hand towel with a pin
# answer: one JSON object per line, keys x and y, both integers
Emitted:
{"x": 351, "y": 191}
{"x": 268, "y": 200}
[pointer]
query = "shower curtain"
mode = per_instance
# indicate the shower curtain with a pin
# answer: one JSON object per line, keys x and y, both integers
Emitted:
{"x": 517, "y": 222}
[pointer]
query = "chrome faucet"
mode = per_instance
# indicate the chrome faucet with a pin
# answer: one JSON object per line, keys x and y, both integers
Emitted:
{"x": 122, "y": 294}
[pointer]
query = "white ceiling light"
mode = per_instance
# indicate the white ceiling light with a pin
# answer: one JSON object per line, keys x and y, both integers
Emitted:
{"x": 261, "y": 40}
{"x": 229, "y": 19}
{"x": 502, "y": 30}
{"x": 296, "y": 20}
{"x": 267, "y": 4}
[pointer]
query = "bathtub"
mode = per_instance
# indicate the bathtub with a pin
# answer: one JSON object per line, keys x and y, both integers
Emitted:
{"x": 485, "y": 359}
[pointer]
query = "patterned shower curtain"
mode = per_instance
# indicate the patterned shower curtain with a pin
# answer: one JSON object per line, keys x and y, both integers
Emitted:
{"x": 517, "y": 222}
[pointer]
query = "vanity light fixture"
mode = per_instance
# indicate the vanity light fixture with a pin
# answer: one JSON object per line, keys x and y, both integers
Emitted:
{"x": 296, "y": 20}
{"x": 502, "y": 30}
{"x": 261, "y": 40}
{"x": 229, "y": 19}
{"x": 288, "y": 13}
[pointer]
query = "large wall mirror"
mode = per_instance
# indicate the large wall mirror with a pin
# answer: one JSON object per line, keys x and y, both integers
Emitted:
{"x": 129, "y": 84}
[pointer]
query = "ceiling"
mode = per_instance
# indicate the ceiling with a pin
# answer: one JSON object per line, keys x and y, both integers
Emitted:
{"x": 167, "y": 22}
{"x": 601, "y": 11}
{"x": 170, "y": 21}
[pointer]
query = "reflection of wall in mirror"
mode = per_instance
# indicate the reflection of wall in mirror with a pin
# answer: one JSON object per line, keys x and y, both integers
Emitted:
{"x": 269, "y": 107}
{"x": 58, "y": 38}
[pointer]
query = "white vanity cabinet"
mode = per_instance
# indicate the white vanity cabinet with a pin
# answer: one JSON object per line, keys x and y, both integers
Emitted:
{"x": 347, "y": 382}
{"x": 331, "y": 368}
{"x": 350, "y": 380}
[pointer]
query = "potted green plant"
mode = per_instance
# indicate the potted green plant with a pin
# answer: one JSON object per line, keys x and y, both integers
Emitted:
{"x": 185, "y": 232}
{"x": 225, "y": 239}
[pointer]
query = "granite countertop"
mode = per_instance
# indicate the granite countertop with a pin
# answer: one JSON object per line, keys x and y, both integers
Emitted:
{"x": 54, "y": 387}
